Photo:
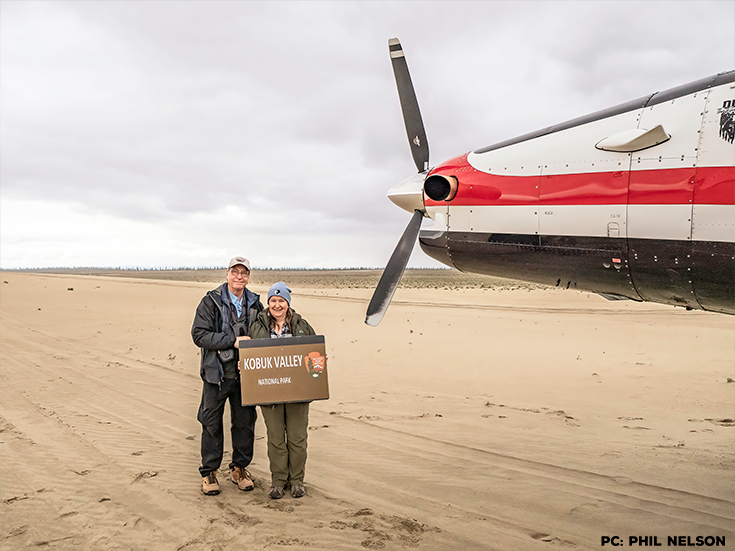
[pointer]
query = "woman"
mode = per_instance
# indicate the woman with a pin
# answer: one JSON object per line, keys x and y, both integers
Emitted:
{"x": 287, "y": 424}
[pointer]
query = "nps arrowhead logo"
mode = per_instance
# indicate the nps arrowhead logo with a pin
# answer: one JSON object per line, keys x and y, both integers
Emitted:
{"x": 314, "y": 364}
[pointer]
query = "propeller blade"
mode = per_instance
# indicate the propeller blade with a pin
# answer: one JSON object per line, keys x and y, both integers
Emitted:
{"x": 409, "y": 106}
{"x": 393, "y": 271}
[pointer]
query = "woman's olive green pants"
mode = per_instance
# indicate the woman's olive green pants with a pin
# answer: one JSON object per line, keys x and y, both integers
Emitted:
{"x": 287, "y": 427}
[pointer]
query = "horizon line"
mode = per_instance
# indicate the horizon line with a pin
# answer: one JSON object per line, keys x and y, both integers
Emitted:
{"x": 201, "y": 268}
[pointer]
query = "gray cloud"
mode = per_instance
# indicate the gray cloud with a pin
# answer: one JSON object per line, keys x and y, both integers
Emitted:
{"x": 189, "y": 125}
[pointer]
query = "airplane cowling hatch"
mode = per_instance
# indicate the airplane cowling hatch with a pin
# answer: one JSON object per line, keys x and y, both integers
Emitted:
{"x": 637, "y": 139}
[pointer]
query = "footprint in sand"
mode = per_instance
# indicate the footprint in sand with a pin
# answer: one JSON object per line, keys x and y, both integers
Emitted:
{"x": 548, "y": 538}
{"x": 144, "y": 474}
{"x": 382, "y": 528}
{"x": 281, "y": 506}
{"x": 14, "y": 498}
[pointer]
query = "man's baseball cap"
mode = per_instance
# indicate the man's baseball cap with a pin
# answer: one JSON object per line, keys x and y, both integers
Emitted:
{"x": 239, "y": 260}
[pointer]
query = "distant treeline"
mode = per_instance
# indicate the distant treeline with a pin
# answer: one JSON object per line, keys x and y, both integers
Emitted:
{"x": 57, "y": 269}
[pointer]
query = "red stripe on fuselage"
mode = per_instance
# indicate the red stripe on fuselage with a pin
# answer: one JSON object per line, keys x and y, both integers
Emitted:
{"x": 714, "y": 186}
{"x": 704, "y": 185}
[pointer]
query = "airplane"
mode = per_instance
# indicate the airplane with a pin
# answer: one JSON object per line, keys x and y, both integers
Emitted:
{"x": 632, "y": 202}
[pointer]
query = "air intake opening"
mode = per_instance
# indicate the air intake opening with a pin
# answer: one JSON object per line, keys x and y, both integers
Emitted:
{"x": 441, "y": 188}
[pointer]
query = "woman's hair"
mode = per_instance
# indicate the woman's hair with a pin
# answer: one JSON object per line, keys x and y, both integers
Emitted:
{"x": 272, "y": 321}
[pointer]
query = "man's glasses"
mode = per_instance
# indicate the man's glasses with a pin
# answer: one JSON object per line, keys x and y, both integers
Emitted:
{"x": 238, "y": 273}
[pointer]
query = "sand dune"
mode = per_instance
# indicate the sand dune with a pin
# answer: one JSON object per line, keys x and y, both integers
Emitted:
{"x": 469, "y": 419}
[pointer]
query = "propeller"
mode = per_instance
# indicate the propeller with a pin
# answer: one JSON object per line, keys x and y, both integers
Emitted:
{"x": 420, "y": 150}
{"x": 409, "y": 106}
{"x": 393, "y": 271}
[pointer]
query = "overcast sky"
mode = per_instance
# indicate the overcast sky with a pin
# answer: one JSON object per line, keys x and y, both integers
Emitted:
{"x": 181, "y": 133}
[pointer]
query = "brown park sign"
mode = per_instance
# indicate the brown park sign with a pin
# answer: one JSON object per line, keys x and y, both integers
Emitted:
{"x": 278, "y": 371}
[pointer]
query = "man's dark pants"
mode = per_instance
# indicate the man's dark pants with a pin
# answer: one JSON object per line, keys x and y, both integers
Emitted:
{"x": 210, "y": 415}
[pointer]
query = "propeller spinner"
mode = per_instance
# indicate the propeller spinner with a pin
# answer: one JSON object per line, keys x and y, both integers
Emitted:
{"x": 408, "y": 193}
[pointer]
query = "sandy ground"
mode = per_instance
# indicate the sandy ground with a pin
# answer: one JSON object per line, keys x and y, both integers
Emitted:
{"x": 526, "y": 419}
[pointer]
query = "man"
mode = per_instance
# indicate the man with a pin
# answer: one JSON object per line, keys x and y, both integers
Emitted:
{"x": 222, "y": 316}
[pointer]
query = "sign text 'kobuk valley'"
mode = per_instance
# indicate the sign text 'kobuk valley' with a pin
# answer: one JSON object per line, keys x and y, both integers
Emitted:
{"x": 275, "y": 362}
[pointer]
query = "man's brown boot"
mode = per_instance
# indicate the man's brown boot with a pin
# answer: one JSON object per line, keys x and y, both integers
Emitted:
{"x": 242, "y": 478}
{"x": 210, "y": 486}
